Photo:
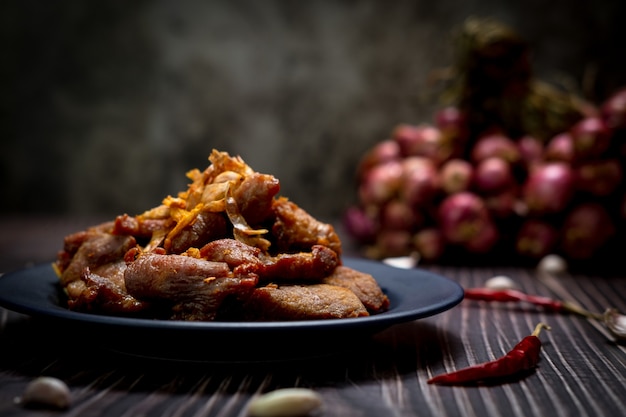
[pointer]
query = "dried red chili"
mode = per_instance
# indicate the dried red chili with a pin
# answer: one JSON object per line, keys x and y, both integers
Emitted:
{"x": 524, "y": 356}
{"x": 488, "y": 294}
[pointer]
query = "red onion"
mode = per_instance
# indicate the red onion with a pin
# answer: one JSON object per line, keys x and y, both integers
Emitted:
{"x": 397, "y": 214}
{"x": 536, "y": 239}
{"x": 503, "y": 204}
{"x": 462, "y": 216}
{"x": 590, "y": 137}
{"x": 359, "y": 225}
{"x": 423, "y": 140}
{"x": 484, "y": 239}
{"x": 451, "y": 118}
{"x": 549, "y": 188}
{"x": 495, "y": 144}
{"x": 456, "y": 175}
{"x": 586, "y": 229}
{"x": 420, "y": 181}
{"x": 385, "y": 151}
{"x": 452, "y": 122}
{"x": 599, "y": 178}
{"x": 430, "y": 244}
{"x": 531, "y": 149}
{"x": 381, "y": 183}
{"x": 393, "y": 243}
{"x": 560, "y": 148}
{"x": 613, "y": 110}
{"x": 492, "y": 175}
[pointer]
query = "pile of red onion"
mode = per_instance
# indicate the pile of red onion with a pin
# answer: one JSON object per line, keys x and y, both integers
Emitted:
{"x": 444, "y": 192}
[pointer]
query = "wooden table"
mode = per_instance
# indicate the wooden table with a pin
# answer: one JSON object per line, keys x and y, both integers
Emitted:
{"x": 582, "y": 371}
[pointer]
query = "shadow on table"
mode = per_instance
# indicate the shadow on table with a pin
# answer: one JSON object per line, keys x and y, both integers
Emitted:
{"x": 33, "y": 347}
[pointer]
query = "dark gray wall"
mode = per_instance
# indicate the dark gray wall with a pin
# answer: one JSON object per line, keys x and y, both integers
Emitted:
{"x": 106, "y": 104}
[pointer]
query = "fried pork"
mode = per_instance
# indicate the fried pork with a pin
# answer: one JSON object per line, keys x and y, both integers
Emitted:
{"x": 227, "y": 248}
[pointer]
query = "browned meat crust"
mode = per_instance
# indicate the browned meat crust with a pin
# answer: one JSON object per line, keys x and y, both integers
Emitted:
{"x": 195, "y": 287}
{"x": 303, "y": 302}
{"x": 363, "y": 285}
{"x": 301, "y": 266}
{"x": 295, "y": 228}
{"x": 104, "y": 293}
{"x": 96, "y": 249}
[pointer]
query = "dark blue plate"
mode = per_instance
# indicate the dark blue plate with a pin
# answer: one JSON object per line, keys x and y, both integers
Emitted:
{"x": 413, "y": 294}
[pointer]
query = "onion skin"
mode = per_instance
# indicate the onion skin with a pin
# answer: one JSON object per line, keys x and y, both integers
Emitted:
{"x": 484, "y": 240}
{"x": 359, "y": 225}
{"x": 549, "y": 188}
{"x": 423, "y": 140}
{"x": 531, "y": 150}
{"x": 397, "y": 214}
{"x": 590, "y": 137}
{"x": 456, "y": 175}
{"x": 462, "y": 216}
{"x": 383, "y": 152}
{"x": 430, "y": 244}
{"x": 613, "y": 110}
{"x": 381, "y": 183}
{"x": 420, "y": 181}
{"x": 536, "y": 239}
{"x": 493, "y": 175}
{"x": 390, "y": 243}
{"x": 599, "y": 178}
{"x": 560, "y": 148}
{"x": 452, "y": 122}
{"x": 503, "y": 204}
{"x": 406, "y": 136}
{"x": 498, "y": 145}
{"x": 585, "y": 231}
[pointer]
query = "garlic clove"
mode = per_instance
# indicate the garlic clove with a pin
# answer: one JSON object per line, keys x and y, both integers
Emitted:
{"x": 500, "y": 282}
{"x": 286, "y": 402}
{"x": 552, "y": 264}
{"x": 46, "y": 392}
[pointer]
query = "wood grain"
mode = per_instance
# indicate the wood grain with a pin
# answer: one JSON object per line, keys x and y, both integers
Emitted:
{"x": 582, "y": 371}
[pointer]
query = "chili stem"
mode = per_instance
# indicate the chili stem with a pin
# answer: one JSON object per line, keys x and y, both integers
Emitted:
{"x": 538, "y": 328}
{"x": 573, "y": 308}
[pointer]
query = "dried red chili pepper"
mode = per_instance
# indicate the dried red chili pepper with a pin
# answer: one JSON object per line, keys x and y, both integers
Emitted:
{"x": 488, "y": 294}
{"x": 524, "y": 356}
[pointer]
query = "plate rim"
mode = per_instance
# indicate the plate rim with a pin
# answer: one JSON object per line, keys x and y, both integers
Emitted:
{"x": 379, "y": 321}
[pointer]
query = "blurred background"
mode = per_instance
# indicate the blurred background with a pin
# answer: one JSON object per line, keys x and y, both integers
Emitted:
{"x": 106, "y": 104}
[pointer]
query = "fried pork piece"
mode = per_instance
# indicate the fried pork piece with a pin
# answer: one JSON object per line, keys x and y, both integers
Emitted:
{"x": 363, "y": 285}
{"x": 303, "y": 302}
{"x": 207, "y": 226}
{"x": 232, "y": 252}
{"x": 243, "y": 258}
{"x": 194, "y": 287}
{"x": 139, "y": 227}
{"x": 296, "y": 230}
{"x": 306, "y": 266}
{"x": 104, "y": 293}
{"x": 96, "y": 249}
{"x": 254, "y": 197}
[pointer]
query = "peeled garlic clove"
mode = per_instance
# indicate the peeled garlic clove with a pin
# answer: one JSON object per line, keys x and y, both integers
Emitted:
{"x": 500, "y": 282}
{"x": 46, "y": 392}
{"x": 403, "y": 262}
{"x": 552, "y": 264}
{"x": 615, "y": 322}
{"x": 286, "y": 402}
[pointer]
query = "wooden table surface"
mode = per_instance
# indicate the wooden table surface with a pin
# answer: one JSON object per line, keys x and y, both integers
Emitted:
{"x": 582, "y": 371}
